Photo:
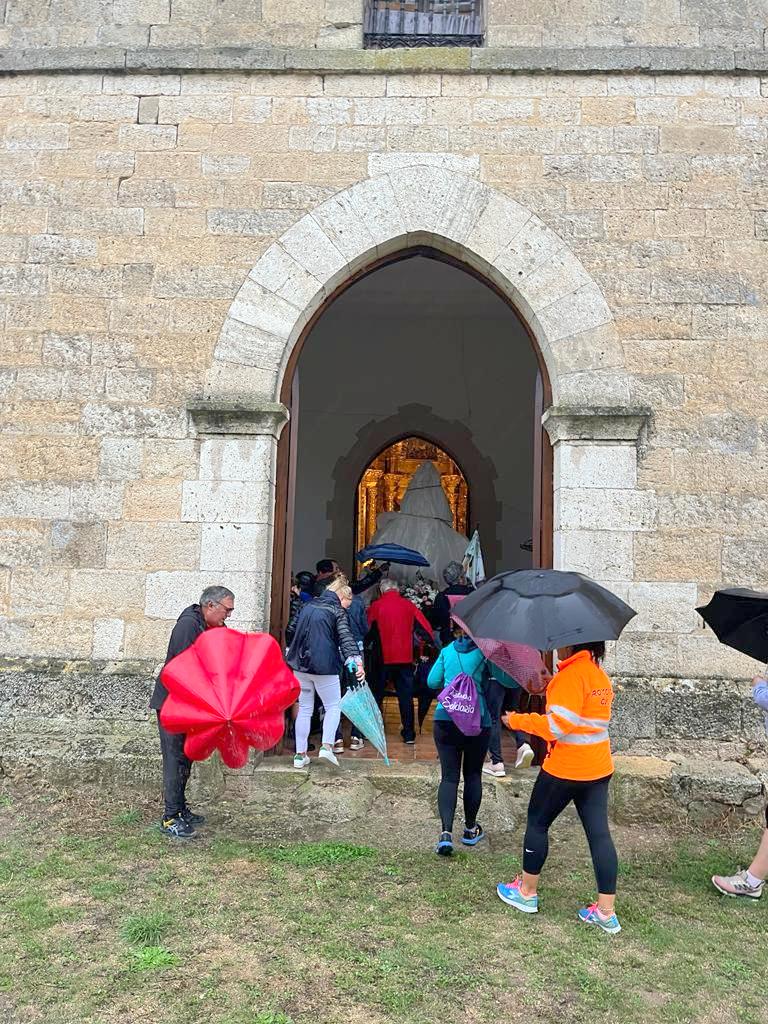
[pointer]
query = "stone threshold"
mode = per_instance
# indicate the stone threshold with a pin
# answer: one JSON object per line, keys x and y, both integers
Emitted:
{"x": 446, "y": 60}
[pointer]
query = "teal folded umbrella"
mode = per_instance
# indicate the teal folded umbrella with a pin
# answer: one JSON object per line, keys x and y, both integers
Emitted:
{"x": 360, "y": 707}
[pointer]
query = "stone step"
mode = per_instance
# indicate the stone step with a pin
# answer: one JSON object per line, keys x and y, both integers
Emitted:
{"x": 368, "y": 798}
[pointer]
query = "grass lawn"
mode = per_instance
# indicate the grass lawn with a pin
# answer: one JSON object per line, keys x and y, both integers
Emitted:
{"x": 104, "y": 919}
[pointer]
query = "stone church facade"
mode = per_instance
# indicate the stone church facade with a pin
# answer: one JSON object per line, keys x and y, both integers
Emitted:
{"x": 184, "y": 184}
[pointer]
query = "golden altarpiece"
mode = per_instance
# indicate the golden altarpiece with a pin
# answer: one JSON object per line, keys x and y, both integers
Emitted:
{"x": 386, "y": 479}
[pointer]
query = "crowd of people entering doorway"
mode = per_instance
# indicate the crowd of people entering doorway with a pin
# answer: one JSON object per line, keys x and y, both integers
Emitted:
{"x": 397, "y": 645}
{"x": 577, "y": 768}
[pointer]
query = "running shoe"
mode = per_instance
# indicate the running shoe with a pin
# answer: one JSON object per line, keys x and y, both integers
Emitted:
{"x": 592, "y": 915}
{"x": 177, "y": 828}
{"x": 191, "y": 818}
{"x": 356, "y": 743}
{"x": 338, "y": 747}
{"x": 512, "y": 895}
{"x": 524, "y": 757}
{"x": 737, "y": 885}
{"x": 472, "y": 836}
{"x": 444, "y": 844}
{"x": 496, "y": 770}
{"x": 301, "y": 761}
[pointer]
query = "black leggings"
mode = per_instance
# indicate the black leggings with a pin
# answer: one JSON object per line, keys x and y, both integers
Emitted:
{"x": 549, "y": 798}
{"x": 453, "y": 748}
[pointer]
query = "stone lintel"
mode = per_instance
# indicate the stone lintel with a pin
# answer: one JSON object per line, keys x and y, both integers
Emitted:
{"x": 596, "y": 423}
{"x": 238, "y": 420}
{"x": 446, "y": 60}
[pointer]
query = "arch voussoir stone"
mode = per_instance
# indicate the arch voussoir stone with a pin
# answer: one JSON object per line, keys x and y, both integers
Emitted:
{"x": 455, "y": 213}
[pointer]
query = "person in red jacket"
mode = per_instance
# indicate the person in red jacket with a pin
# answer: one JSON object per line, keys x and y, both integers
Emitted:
{"x": 396, "y": 618}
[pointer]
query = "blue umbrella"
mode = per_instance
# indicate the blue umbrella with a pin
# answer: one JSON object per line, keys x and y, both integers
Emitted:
{"x": 391, "y": 553}
{"x": 360, "y": 707}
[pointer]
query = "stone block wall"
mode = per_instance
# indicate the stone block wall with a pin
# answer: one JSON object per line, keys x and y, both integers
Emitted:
{"x": 134, "y": 208}
{"x": 29, "y": 24}
{"x": 325, "y": 24}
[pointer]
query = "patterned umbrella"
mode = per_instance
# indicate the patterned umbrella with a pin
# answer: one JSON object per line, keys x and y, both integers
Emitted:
{"x": 228, "y": 692}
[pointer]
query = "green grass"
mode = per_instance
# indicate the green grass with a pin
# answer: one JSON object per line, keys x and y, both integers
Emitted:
{"x": 101, "y": 923}
{"x": 152, "y": 958}
{"x": 145, "y": 929}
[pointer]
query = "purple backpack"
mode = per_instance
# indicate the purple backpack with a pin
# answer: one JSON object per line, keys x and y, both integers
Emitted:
{"x": 462, "y": 702}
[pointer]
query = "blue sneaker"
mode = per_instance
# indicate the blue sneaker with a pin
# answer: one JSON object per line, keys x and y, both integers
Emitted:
{"x": 472, "y": 836}
{"x": 512, "y": 895}
{"x": 445, "y": 844}
{"x": 591, "y": 915}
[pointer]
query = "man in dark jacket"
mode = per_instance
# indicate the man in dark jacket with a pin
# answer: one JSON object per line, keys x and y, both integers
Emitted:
{"x": 216, "y": 605}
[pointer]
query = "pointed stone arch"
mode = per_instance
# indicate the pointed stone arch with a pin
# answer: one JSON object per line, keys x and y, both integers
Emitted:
{"x": 563, "y": 307}
{"x": 594, "y": 431}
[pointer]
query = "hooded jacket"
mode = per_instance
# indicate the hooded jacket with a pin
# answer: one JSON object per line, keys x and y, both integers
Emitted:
{"x": 323, "y": 639}
{"x": 189, "y": 625}
{"x": 463, "y": 655}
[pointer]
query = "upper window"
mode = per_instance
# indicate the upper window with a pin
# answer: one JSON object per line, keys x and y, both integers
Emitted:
{"x": 391, "y": 23}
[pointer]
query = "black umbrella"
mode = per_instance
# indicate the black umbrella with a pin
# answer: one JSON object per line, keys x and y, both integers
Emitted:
{"x": 739, "y": 618}
{"x": 543, "y": 608}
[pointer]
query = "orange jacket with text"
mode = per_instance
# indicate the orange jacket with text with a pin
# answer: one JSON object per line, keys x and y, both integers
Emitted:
{"x": 579, "y": 699}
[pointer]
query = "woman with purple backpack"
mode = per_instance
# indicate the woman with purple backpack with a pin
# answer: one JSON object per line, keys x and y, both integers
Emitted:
{"x": 459, "y": 751}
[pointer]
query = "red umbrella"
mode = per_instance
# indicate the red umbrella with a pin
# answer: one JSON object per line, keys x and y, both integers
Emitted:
{"x": 228, "y": 692}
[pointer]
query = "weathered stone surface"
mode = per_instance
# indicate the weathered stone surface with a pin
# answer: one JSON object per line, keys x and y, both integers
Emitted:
{"x": 78, "y": 545}
{"x": 152, "y": 546}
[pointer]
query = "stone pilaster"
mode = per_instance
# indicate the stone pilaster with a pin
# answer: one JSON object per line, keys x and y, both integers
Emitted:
{"x": 233, "y": 501}
{"x": 597, "y": 507}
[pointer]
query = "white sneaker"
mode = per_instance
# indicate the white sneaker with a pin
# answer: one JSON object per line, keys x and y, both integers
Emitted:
{"x": 356, "y": 743}
{"x": 496, "y": 770}
{"x": 338, "y": 747}
{"x": 301, "y": 761}
{"x": 326, "y": 754}
{"x": 525, "y": 756}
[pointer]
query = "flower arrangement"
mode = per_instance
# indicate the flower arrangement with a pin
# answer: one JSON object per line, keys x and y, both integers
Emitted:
{"x": 421, "y": 592}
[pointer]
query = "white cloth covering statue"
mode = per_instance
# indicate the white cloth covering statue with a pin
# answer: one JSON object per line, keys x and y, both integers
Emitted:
{"x": 423, "y": 524}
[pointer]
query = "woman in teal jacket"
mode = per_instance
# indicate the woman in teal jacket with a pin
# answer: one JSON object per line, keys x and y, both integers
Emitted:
{"x": 456, "y": 750}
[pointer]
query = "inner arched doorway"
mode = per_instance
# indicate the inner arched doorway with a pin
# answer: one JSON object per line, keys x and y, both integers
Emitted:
{"x": 385, "y": 479}
{"x": 425, "y": 345}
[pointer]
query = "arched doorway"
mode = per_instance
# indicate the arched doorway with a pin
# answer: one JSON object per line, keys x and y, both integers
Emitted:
{"x": 386, "y": 477}
{"x": 417, "y": 330}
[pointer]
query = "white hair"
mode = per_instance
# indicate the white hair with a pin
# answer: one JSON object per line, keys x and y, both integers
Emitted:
{"x": 386, "y": 585}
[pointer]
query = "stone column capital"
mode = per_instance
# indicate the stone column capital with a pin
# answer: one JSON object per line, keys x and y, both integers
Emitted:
{"x": 216, "y": 418}
{"x": 599, "y": 424}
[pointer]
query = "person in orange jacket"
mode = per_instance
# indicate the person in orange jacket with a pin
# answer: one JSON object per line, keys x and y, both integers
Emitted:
{"x": 578, "y": 767}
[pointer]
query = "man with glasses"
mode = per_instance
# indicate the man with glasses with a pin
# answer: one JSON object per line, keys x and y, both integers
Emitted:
{"x": 215, "y": 607}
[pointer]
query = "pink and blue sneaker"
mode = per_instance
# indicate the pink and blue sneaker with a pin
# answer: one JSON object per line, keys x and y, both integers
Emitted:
{"x": 592, "y": 915}
{"x": 512, "y": 895}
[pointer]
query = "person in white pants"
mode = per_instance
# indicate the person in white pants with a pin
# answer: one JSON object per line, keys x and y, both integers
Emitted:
{"x": 322, "y": 643}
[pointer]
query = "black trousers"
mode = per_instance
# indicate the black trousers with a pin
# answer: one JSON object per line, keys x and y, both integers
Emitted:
{"x": 459, "y": 753}
{"x": 176, "y": 769}
{"x": 549, "y": 799}
{"x": 402, "y": 675}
